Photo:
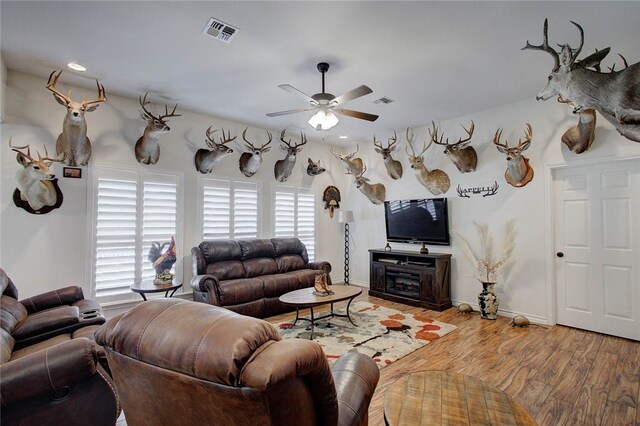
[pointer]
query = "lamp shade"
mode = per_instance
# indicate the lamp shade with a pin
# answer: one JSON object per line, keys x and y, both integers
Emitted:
{"x": 323, "y": 119}
{"x": 345, "y": 216}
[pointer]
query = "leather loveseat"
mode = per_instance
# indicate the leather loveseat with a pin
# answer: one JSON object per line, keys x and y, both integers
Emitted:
{"x": 50, "y": 370}
{"x": 176, "y": 362}
{"x": 248, "y": 276}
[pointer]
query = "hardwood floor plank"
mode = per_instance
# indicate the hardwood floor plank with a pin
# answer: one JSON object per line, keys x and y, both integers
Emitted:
{"x": 601, "y": 374}
{"x": 533, "y": 396}
{"x": 554, "y": 412}
{"x": 589, "y": 407}
{"x": 618, "y": 414}
{"x": 588, "y": 348}
{"x": 624, "y": 386}
{"x": 612, "y": 344}
{"x": 553, "y": 367}
{"x": 570, "y": 381}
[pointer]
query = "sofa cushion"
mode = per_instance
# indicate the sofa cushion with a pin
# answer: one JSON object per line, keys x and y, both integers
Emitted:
{"x": 278, "y": 284}
{"x": 290, "y": 246}
{"x": 235, "y": 292}
{"x": 40, "y": 346}
{"x": 226, "y": 270}
{"x": 6, "y": 345}
{"x": 306, "y": 277}
{"x": 289, "y": 262}
{"x": 215, "y": 251}
{"x": 51, "y": 319}
{"x": 11, "y": 313}
{"x": 256, "y": 248}
{"x": 260, "y": 266}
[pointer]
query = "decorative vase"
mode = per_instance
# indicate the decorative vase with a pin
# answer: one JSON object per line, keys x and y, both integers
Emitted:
{"x": 488, "y": 302}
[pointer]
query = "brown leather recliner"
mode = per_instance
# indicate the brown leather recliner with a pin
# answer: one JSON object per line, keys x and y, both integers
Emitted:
{"x": 176, "y": 362}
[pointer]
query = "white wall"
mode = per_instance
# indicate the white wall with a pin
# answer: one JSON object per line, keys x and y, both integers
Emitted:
{"x": 43, "y": 252}
{"x": 524, "y": 284}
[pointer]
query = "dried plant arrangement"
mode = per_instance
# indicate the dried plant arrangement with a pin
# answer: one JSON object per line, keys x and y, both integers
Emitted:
{"x": 488, "y": 263}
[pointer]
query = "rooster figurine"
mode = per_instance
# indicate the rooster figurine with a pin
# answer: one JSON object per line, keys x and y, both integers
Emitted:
{"x": 163, "y": 262}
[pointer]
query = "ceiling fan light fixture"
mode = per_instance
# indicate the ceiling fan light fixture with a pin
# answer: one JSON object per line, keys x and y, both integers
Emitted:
{"x": 323, "y": 119}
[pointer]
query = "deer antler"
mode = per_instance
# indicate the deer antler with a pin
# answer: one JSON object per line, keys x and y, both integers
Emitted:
{"x": 410, "y": 137}
{"x": 143, "y": 102}
{"x": 101, "y": 95}
{"x": 496, "y": 140}
{"x": 469, "y": 133}
{"x": 210, "y": 142}
{"x": 434, "y": 136}
{"x": 51, "y": 85}
{"x": 392, "y": 141}
{"x": 545, "y": 46}
{"x": 284, "y": 131}
{"x": 377, "y": 142}
{"x": 18, "y": 148}
{"x": 528, "y": 135}
{"x": 47, "y": 158}
{"x": 303, "y": 140}
{"x": 167, "y": 114}
{"x": 250, "y": 145}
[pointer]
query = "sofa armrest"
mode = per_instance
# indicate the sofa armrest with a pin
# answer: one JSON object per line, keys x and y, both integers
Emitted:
{"x": 51, "y": 299}
{"x": 208, "y": 284}
{"x": 356, "y": 376}
{"x": 321, "y": 266}
{"x": 46, "y": 321}
{"x": 47, "y": 370}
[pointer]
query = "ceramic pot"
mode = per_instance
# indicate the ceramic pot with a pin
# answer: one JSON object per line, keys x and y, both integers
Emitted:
{"x": 488, "y": 302}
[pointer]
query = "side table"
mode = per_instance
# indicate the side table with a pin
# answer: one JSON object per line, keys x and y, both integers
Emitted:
{"x": 149, "y": 287}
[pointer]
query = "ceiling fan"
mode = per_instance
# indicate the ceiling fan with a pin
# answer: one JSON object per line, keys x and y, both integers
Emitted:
{"x": 327, "y": 104}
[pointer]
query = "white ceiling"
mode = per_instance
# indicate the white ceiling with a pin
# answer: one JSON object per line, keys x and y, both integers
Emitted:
{"x": 436, "y": 60}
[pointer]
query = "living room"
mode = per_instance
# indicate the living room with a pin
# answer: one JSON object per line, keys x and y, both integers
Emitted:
{"x": 473, "y": 72}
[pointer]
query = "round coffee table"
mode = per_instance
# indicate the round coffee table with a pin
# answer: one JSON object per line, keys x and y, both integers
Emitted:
{"x": 304, "y": 298}
{"x": 147, "y": 287}
{"x": 448, "y": 398}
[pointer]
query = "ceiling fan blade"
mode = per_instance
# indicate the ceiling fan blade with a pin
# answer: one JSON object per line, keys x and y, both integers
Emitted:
{"x": 352, "y": 94}
{"x": 357, "y": 114}
{"x": 291, "y": 111}
{"x": 289, "y": 88}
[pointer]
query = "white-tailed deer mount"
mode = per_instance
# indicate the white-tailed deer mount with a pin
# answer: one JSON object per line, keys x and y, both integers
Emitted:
{"x": 352, "y": 166}
{"x": 436, "y": 181}
{"x": 519, "y": 172}
{"x": 147, "y": 148}
{"x": 394, "y": 167}
{"x": 73, "y": 142}
{"x": 283, "y": 168}
{"x": 251, "y": 161}
{"x": 580, "y": 137}
{"x": 37, "y": 189}
{"x": 375, "y": 192}
{"x": 615, "y": 95}
{"x": 314, "y": 168}
{"x": 460, "y": 153}
{"x": 205, "y": 159}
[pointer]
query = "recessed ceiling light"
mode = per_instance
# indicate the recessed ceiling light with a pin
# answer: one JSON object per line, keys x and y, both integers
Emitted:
{"x": 76, "y": 67}
{"x": 344, "y": 137}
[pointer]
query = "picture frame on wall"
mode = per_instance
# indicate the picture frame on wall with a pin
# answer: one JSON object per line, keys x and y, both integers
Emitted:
{"x": 72, "y": 172}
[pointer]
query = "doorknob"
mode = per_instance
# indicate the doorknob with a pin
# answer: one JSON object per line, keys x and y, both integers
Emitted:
{"x": 560, "y": 254}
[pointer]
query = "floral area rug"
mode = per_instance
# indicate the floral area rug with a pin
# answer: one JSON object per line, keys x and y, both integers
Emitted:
{"x": 384, "y": 334}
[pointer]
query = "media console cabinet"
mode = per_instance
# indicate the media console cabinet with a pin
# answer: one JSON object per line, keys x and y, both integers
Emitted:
{"x": 412, "y": 278}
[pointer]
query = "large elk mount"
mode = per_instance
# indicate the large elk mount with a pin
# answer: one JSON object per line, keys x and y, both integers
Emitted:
{"x": 615, "y": 95}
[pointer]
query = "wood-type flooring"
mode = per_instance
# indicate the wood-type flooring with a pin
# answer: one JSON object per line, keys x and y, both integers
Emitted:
{"x": 561, "y": 375}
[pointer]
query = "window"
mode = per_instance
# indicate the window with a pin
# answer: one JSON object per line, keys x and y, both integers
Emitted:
{"x": 131, "y": 210}
{"x": 294, "y": 215}
{"x": 229, "y": 209}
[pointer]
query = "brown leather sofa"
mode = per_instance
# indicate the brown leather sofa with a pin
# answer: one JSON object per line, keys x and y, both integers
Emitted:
{"x": 248, "y": 276}
{"x": 176, "y": 362}
{"x": 49, "y": 364}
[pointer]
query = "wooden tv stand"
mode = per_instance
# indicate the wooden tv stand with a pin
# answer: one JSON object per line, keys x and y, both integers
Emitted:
{"x": 410, "y": 277}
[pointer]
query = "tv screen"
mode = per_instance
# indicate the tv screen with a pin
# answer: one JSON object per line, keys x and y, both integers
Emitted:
{"x": 417, "y": 221}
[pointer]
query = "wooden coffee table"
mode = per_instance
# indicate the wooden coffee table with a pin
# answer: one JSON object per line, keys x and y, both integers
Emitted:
{"x": 448, "y": 398}
{"x": 304, "y": 298}
{"x": 146, "y": 287}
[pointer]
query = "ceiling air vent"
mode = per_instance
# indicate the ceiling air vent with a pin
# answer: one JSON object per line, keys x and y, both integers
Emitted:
{"x": 383, "y": 100}
{"x": 220, "y": 30}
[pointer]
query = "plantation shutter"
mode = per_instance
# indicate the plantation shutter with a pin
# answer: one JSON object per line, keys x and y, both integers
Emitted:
{"x": 132, "y": 209}
{"x": 294, "y": 216}
{"x": 159, "y": 217}
{"x": 115, "y": 233}
{"x": 229, "y": 209}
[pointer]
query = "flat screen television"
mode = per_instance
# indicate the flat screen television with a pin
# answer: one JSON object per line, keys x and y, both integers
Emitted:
{"x": 417, "y": 221}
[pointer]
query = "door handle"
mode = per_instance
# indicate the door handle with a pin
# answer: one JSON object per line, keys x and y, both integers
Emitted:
{"x": 560, "y": 254}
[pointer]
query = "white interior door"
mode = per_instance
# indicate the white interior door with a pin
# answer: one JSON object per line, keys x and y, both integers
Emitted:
{"x": 597, "y": 243}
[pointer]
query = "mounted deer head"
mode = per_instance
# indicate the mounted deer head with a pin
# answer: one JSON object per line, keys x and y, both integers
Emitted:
{"x": 205, "y": 159}
{"x": 519, "y": 172}
{"x": 375, "y": 192}
{"x": 147, "y": 149}
{"x": 394, "y": 167}
{"x": 35, "y": 182}
{"x": 460, "y": 153}
{"x": 283, "y": 168}
{"x": 436, "y": 181}
{"x": 580, "y": 137}
{"x": 314, "y": 169}
{"x": 352, "y": 166}
{"x": 615, "y": 95}
{"x": 73, "y": 141}
{"x": 251, "y": 161}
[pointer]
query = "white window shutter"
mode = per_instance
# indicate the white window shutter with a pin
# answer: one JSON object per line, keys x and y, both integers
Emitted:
{"x": 306, "y": 222}
{"x": 229, "y": 209}
{"x": 245, "y": 210}
{"x": 294, "y": 215}
{"x": 285, "y": 212}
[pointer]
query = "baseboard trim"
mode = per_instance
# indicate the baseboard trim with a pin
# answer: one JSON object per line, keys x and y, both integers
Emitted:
{"x": 507, "y": 313}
